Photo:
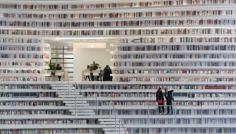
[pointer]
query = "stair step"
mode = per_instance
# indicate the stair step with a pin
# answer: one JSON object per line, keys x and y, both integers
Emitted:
{"x": 83, "y": 114}
{"x": 81, "y": 110}
{"x": 63, "y": 88}
{"x": 110, "y": 123}
{"x": 108, "y": 119}
{"x": 70, "y": 96}
{"x": 117, "y": 129}
{"x": 75, "y": 102}
{"x": 115, "y": 132}
{"x": 66, "y": 92}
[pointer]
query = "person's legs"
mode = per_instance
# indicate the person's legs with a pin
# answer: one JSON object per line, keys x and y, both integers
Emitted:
{"x": 92, "y": 77}
{"x": 171, "y": 109}
{"x": 59, "y": 78}
{"x": 168, "y": 104}
{"x": 163, "y": 109}
{"x": 168, "y": 109}
{"x": 87, "y": 77}
{"x": 159, "y": 109}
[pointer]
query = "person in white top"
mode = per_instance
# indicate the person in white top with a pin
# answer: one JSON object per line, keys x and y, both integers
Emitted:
{"x": 87, "y": 73}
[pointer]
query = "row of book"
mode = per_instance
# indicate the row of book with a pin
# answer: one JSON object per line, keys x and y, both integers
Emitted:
{"x": 19, "y": 41}
{"x": 175, "y": 63}
{"x": 20, "y": 48}
{"x": 122, "y": 32}
{"x": 175, "y": 71}
{"x": 175, "y": 56}
{"x": 136, "y": 86}
{"x": 44, "y": 131}
{"x": 25, "y": 86}
{"x": 152, "y": 102}
{"x": 28, "y": 95}
{"x": 177, "y": 47}
{"x": 138, "y": 4}
{"x": 22, "y": 55}
{"x": 34, "y": 112}
{"x": 190, "y": 130}
{"x": 178, "y": 93}
{"x": 21, "y": 78}
{"x": 43, "y": 121}
{"x": 126, "y": 23}
{"x": 172, "y": 79}
{"x": 127, "y": 14}
{"x": 32, "y": 103}
{"x": 28, "y": 63}
{"x": 179, "y": 121}
{"x": 20, "y": 71}
{"x": 189, "y": 109}
{"x": 169, "y": 40}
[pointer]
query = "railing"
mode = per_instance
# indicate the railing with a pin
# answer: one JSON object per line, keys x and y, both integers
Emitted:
{"x": 176, "y": 118}
{"x": 151, "y": 112}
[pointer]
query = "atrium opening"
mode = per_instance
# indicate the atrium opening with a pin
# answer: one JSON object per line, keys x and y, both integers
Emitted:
{"x": 74, "y": 57}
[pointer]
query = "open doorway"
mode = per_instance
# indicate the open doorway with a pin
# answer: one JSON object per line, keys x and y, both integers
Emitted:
{"x": 75, "y": 56}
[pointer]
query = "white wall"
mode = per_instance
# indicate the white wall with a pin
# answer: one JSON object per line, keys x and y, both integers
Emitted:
{"x": 85, "y": 56}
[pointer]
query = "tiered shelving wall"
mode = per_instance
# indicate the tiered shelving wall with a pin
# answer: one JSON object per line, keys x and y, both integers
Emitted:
{"x": 185, "y": 45}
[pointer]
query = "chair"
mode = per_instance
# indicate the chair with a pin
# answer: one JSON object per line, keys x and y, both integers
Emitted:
{"x": 96, "y": 74}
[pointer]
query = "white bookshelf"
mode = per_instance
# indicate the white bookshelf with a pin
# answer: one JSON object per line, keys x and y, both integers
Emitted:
{"x": 185, "y": 45}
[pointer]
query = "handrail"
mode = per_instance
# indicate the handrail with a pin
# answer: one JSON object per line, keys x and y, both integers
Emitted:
{"x": 150, "y": 109}
{"x": 114, "y": 82}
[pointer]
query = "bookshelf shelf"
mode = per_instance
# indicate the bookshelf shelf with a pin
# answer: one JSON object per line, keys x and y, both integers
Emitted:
{"x": 184, "y": 45}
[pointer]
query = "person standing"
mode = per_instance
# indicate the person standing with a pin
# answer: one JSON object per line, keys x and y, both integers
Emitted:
{"x": 87, "y": 73}
{"x": 169, "y": 100}
{"x": 59, "y": 73}
{"x": 91, "y": 74}
{"x": 107, "y": 74}
{"x": 160, "y": 101}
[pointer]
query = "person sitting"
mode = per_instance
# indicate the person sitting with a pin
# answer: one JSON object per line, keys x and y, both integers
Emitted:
{"x": 107, "y": 74}
{"x": 58, "y": 73}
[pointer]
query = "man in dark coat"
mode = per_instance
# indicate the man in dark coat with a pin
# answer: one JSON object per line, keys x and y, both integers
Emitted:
{"x": 169, "y": 99}
{"x": 107, "y": 74}
{"x": 160, "y": 101}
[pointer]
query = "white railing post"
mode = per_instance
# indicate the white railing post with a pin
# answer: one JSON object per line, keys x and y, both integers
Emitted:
{"x": 96, "y": 104}
{"x": 119, "y": 126}
{"x": 201, "y": 114}
{"x": 148, "y": 122}
{"x": 115, "y": 116}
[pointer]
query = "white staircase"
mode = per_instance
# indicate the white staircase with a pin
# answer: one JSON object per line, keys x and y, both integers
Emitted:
{"x": 115, "y": 126}
{"x": 80, "y": 107}
{"x": 75, "y": 103}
